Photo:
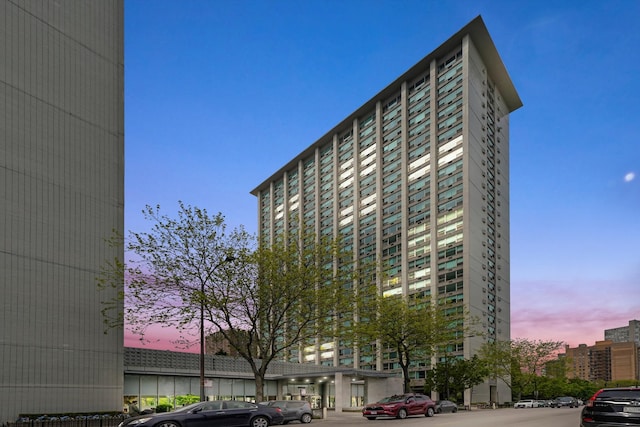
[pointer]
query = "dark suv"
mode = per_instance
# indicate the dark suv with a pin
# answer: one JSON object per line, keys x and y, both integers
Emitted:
{"x": 565, "y": 402}
{"x": 612, "y": 407}
{"x": 400, "y": 406}
{"x": 293, "y": 410}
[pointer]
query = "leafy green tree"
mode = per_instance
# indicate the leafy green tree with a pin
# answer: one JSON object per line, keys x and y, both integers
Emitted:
{"x": 519, "y": 362}
{"x": 454, "y": 375}
{"x": 557, "y": 368}
{"x": 549, "y": 387}
{"x": 411, "y": 327}
{"x": 583, "y": 389}
{"x": 190, "y": 271}
{"x": 472, "y": 372}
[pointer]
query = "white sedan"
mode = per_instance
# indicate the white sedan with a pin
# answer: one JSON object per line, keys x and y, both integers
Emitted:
{"x": 527, "y": 403}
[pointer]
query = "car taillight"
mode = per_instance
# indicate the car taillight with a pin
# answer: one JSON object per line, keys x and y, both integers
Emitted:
{"x": 593, "y": 398}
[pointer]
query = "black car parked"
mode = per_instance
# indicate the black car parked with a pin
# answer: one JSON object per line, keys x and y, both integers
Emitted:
{"x": 612, "y": 407}
{"x": 219, "y": 413}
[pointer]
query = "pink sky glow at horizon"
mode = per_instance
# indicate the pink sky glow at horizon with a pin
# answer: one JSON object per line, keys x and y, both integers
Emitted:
{"x": 581, "y": 326}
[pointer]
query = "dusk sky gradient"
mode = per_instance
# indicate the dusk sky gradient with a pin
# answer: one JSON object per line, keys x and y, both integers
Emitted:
{"x": 220, "y": 94}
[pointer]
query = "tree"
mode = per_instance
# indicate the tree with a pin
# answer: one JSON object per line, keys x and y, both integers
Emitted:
{"x": 411, "y": 327}
{"x": 472, "y": 372}
{"x": 557, "y": 368}
{"x": 453, "y": 376}
{"x": 289, "y": 294}
{"x": 190, "y": 272}
{"x": 519, "y": 362}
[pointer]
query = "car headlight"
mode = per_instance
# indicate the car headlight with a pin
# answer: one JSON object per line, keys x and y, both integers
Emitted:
{"x": 139, "y": 421}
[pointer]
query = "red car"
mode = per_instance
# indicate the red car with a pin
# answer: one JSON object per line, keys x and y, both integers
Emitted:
{"x": 400, "y": 406}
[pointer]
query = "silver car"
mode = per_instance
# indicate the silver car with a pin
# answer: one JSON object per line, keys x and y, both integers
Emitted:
{"x": 293, "y": 410}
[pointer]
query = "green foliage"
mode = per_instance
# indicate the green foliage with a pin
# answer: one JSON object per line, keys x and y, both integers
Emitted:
{"x": 519, "y": 363}
{"x": 453, "y": 376}
{"x": 265, "y": 300}
{"x": 186, "y": 399}
{"x": 413, "y": 328}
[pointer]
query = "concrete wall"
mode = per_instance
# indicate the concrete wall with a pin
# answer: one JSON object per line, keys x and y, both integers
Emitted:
{"x": 61, "y": 194}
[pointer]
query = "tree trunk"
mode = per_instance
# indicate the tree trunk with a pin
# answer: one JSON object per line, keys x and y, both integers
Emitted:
{"x": 404, "y": 363}
{"x": 258, "y": 374}
{"x": 259, "y": 387}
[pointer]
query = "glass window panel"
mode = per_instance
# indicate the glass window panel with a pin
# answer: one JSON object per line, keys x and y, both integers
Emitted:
{"x": 149, "y": 384}
{"x": 132, "y": 384}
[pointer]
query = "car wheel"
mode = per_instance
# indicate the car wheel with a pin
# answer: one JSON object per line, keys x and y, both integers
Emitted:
{"x": 402, "y": 413}
{"x": 305, "y": 418}
{"x": 430, "y": 412}
{"x": 439, "y": 411}
{"x": 454, "y": 410}
{"x": 260, "y": 422}
{"x": 168, "y": 424}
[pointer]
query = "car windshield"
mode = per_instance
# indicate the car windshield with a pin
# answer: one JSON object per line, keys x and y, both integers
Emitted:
{"x": 394, "y": 398}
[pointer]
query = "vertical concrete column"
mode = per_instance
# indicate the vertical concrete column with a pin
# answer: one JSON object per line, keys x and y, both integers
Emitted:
{"x": 339, "y": 392}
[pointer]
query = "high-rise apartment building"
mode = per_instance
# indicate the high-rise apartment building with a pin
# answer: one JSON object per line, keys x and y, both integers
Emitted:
{"x": 417, "y": 178}
{"x": 61, "y": 194}
{"x": 630, "y": 333}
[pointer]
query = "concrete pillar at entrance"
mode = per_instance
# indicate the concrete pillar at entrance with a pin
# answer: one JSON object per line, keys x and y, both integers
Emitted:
{"x": 339, "y": 391}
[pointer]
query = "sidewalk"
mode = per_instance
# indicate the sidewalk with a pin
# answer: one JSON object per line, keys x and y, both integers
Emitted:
{"x": 344, "y": 415}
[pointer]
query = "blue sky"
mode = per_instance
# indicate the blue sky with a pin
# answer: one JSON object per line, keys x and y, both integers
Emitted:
{"x": 221, "y": 94}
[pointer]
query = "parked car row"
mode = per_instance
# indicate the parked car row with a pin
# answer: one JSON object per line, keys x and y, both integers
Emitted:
{"x": 221, "y": 413}
{"x": 559, "y": 402}
{"x": 404, "y": 405}
{"x": 400, "y": 406}
{"x": 227, "y": 413}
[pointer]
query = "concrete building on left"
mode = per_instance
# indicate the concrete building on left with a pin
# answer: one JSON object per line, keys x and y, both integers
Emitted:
{"x": 61, "y": 195}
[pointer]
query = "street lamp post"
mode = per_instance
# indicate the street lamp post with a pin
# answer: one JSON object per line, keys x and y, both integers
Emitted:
{"x": 202, "y": 396}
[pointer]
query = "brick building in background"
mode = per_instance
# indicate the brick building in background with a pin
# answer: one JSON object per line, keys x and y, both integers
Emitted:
{"x": 614, "y": 359}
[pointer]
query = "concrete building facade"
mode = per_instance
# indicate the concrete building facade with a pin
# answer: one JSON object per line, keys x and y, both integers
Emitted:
{"x": 61, "y": 194}
{"x": 629, "y": 333}
{"x": 157, "y": 377}
{"x": 417, "y": 178}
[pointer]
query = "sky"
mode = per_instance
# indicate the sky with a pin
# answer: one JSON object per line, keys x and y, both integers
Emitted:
{"x": 220, "y": 94}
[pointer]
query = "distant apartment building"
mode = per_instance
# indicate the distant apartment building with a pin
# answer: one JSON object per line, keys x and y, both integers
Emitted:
{"x": 630, "y": 333}
{"x": 578, "y": 362}
{"x": 418, "y": 179}
{"x": 605, "y": 361}
{"x": 61, "y": 195}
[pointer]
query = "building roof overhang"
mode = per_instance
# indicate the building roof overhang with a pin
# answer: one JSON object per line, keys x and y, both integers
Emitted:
{"x": 480, "y": 37}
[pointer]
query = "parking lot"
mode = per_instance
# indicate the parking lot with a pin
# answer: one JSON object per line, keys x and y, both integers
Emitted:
{"x": 529, "y": 417}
